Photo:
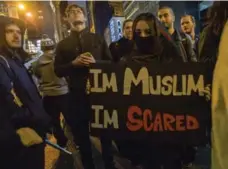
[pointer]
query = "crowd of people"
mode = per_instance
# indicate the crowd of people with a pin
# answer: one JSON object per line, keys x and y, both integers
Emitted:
{"x": 63, "y": 71}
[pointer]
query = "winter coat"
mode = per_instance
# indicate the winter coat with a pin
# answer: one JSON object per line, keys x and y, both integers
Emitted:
{"x": 49, "y": 83}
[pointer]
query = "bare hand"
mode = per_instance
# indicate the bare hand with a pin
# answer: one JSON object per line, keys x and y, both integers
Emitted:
{"x": 206, "y": 92}
{"x": 84, "y": 59}
{"x": 88, "y": 58}
{"x": 29, "y": 137}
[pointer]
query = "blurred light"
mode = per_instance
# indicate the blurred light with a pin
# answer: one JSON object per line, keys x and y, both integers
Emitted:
{"x": 40, "y": 17}
{"x": 21, "y": 6}
{"x": 29, "y": 14}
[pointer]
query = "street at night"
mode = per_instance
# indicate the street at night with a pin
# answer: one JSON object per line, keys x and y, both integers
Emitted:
{"x": 113, "y": 84}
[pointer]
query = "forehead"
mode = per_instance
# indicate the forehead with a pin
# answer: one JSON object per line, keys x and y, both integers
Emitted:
{"x": 128, "y": 24}
{"x": 75, "y": 8}
{"x": 142, "y": 25}
{"x": 164, "y": 11}
{"x": 186, "y": 19}
{"x": 13, "y": 27}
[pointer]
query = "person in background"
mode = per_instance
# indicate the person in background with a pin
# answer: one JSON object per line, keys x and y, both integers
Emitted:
{"x": 53, "y": 88}
{"x": 182, "y": 40}
{"x": 23, "y": 120}
{"x": 74, "y": 55}
{"x": 188, "y": 25}
{"x": 123, "y": 46}
{"x": 211, "y": 34}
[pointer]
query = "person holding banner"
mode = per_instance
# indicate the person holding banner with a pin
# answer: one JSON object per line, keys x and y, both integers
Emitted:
{"x": 152, "y": 45}
{"x": 23, "y": 120}
{"x": 74, "y": 55}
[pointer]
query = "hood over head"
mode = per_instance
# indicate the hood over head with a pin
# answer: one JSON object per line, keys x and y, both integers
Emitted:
{"x": 4, "y": 21}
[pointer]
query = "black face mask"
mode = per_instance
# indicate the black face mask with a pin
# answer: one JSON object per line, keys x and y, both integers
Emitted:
{"x": 146, "y": 45}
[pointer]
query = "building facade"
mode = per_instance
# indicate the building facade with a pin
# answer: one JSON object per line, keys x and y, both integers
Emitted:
{"x": 134, "y": 8}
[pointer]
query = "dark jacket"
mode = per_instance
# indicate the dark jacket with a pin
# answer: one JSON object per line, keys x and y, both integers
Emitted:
{"x": 20, "y": 102}
{"x": 70, "y": 48}
{"x": 20, "y": 105}
{"x": 184, "y": 44}
{"x": 121, "y": 48}
{"x": 67, "y": 50}
{"x": 208, "y": 45}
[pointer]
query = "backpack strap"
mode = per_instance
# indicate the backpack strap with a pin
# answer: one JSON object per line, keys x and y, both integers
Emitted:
{"x": 9, "y": 70}
{"x": 11, "y": 75}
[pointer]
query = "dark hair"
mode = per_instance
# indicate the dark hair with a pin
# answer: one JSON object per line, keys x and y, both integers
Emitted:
{"x": 192, "y": 18}
{"x": 218, "y": 15}
{"x": 151, "y": 21}
{"x": 69, "y": 7}
{"x": 169, "y": 8}
{"x": 4, "y": 48}
{"x": 126, "y": 21}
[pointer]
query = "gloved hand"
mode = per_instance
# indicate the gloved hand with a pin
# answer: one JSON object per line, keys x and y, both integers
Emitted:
{"x": 29, "y": 137}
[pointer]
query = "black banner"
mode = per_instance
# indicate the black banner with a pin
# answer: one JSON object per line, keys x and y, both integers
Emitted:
{"x": 163, "y": 103}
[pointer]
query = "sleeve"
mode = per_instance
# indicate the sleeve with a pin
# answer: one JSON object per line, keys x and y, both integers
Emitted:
{"x": 62, "y": 69}
{"x": 106, "y": 52}
{"x": 35, "y": 69}
{"x": 190, "y": 50}
{"x": 8, "y": 138}
{"x": 113, "y": 47}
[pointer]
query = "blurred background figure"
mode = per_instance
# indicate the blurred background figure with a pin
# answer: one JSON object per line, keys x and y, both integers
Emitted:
{"x": 188, "y": 25}
{"x": 53, "y": 88}
{"x": 124, "y": 45}
{"x": 211, "y": 34}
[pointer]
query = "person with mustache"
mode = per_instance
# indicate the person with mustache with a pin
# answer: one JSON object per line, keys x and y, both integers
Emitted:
{"x": 74, "y": 55}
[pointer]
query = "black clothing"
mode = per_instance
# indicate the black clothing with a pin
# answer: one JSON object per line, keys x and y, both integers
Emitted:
{"x": 79, "y": 112}
{"x": 121, "y": 48}
{"x": 163, "y": 52}
{"x": 14, "y": 115}
{"x": 54, "y": 105}
{"x": 184, "y": 44}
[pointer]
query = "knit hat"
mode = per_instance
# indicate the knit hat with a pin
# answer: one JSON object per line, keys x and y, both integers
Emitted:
{"x": 47, "y": 43}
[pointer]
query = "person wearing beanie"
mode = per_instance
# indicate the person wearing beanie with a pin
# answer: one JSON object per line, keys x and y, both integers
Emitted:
{"x": 53, "y": 88}
{"x": 23, "y": 120}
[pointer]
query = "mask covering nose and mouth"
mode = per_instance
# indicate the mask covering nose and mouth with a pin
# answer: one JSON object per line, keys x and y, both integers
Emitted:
{"x": 146, "y": 45}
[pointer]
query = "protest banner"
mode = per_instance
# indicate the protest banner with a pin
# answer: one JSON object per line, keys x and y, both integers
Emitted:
{"x": 161, "y": 103}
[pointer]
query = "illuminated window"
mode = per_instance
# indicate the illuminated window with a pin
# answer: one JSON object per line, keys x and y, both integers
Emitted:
{"x": 118, "y": 22}
{"x": 32, "y": 48}
{"x": 38, "y": 43}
